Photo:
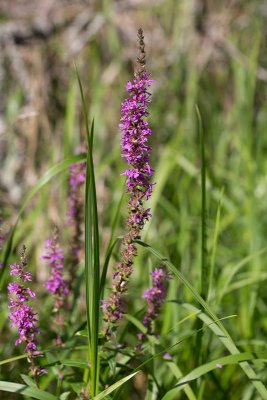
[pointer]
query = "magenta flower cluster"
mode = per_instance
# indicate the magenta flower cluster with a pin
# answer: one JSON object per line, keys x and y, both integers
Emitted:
{"x": 135, "y": 134}
{"x": 135, "y": 150}
{"x": 75, "y": 210}
{"x": 155, "y": 297}
{"x": 76, "y": 180}
{"x": 56, "y": 285}
{"x": 22, "y": 314}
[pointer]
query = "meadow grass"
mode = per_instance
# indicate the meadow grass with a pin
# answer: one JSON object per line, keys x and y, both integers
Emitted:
{"x": 208, "y": 227}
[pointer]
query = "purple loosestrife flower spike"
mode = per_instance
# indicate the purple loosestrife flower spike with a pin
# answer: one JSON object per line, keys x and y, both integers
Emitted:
{"x": 22, "y": 314}
{"x": 75, "y": 209}
{"x": 155, "y": 297}
{"x": 136, "y": 152}
{"x": 56, "y": 285}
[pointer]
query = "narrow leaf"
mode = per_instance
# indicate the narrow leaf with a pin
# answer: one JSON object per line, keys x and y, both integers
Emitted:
{"x": 231, "y": 347}
{"x": 75, "y": 363}
{"x": 115, "y": 386}
{"x": 26, "y": 391}
{"x": 205, "y": 368}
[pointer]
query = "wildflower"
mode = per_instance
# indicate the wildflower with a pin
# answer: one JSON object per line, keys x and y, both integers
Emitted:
{"x": 75, "y": 209}
{"x": 136, "y": 152}
{"x": 167, "y": 356}
{"x": 56, "y": 285}
{"x": 22, "y": 314}
{"x": 155, "y": 297}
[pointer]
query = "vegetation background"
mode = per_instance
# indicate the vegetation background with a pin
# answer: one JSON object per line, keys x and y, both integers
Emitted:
{"x": 200, "y": 52}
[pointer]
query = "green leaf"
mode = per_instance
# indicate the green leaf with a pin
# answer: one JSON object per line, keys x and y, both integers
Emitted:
{"x": 205, "y": 267}
{"x": 75, "y": 363}
{"x": 24, "y": 390}
{"x": 178, "y": 374}
{"x": 135, "y": 322}
{"x": 77, "y": 387}
{"x": 231, "y": 347}
{"x": 205, "y": 368}
{"x": 115, "y": 386}
{"x": 231, "y": 270}
{"x": 214, "y": 242}
{"x": 9, "y": 360}
{"x": 211, "y": 320}
{"x": 92, "y": 260}
{"x": 83, "y": 333}
{"x": 64, "y": 396}
{"x": 28, "y": 380}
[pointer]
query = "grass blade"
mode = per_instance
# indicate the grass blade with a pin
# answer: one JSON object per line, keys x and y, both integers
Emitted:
{"x": 115, "y": 386}
{"x": 231, "y": 347}
{"x": 92, "y": 263}
{"x": 215, "y": 241}
{"x": 204, "y": 274}
{"x": 211, "y": 320}
{"x": 25, "y": 391}
{"x": 204, "y": 369}
{"x": 178, "y": 374}
{"x": 204, "y": 235}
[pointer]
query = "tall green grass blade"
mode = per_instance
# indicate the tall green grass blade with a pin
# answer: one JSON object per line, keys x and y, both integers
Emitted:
{"x": 231, "y": 347}
{"x": 115, "y": 386}
{"x": 28, "y": 380}
{"x": 230, "y": 271}
{"x": 204, "y": 265}
{"x": 169, "y": 348}
{"x": 178, "y": 374}
{"x": 204, "y": 273}
{"x": 204, "y": 369}
{"x": 92, "y": 262}
{"x": 250, "y": 280}
{"x": 214, "y": 243}
{"x": 75, "y": 364}
{"x": 69, "y": 123}
{"x": 25, "y": 391}
{"x": 89, "y": 133}
{"x": 211, "y": 320}
{"x": 51, "y": 173}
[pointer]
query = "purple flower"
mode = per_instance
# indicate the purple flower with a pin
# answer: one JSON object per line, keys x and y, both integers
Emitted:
{"x": 22, "y": 314}
{"x": 167, "y": 356}
{"x": 56, "y": 285}
{"x": 75, "y": 209}
{"x": 135, "y": 134}
{"x": 19, "y": 270}
{"x": 155, "y": 297}
{"x": 135, "y": 150}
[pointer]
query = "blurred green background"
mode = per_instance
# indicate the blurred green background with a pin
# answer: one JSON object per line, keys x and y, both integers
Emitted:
{"x": 204, "y": 52}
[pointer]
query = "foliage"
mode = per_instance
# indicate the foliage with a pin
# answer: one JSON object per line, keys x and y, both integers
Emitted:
{"x": 208, "y": 226}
